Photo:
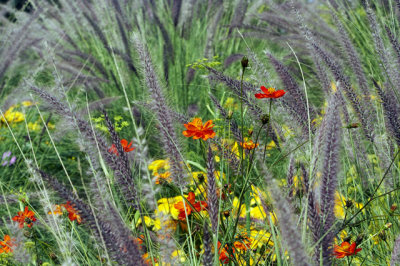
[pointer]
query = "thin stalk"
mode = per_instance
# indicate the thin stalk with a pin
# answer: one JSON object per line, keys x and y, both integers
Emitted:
{"x": 266, "y": 136}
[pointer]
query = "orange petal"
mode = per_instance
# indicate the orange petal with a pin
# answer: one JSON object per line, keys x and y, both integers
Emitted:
{"x": 191, "y": 198}
{"x": 264, "y": 89}
{"x": 279, "y": 93}
{"x": 208, "y": 124}
{"x": 260, "y": 95}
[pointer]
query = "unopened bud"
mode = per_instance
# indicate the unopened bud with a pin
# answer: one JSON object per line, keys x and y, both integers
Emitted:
{"x": 245, "y": 62}
{"x": 265, "y": 119}
{"x": 230, "y": 114}
{"x": 382, "y": 235}
{"x": 349, "y": 204}
{"x": 393, "y": 207}
{"x": 250, "y": 132}
{"x": 353, "y": 125}
{"x": 201, "y": 178}
{"x": 359, "y": 239}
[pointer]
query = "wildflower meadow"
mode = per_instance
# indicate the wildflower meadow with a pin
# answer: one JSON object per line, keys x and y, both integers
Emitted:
{"x": 209, "y": 132}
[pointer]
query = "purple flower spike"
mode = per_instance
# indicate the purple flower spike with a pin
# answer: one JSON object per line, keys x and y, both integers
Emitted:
{"x": 4, "y": 163}
{"x": 6, "y": 154}
{"x": 13, "y": 160}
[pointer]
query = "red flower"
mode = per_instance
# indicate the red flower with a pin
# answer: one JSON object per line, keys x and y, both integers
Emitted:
{"x": 224, "y": 255}
{"x": 125, "y": 146}
{"x": 197, "y": 130}
{"x": 6, "y": 245}
{"x": 345, "y": 249}
{"x": 243, "y": 243}
{"x": 195, "y": 206}
{"x": 26, "y": 216}
{"x": 269, "y": 93}
{"x": 248, "y": 145}
{"x": 72, "y": 213}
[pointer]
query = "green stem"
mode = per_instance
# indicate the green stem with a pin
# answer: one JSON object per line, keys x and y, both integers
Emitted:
{"x": 266, "y": 137}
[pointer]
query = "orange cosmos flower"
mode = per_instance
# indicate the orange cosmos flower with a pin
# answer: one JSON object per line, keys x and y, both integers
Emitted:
{"x": 26, "y": 216}
{"x": 147, "y": 259}
{"x": 57, "y": 210}
{"x": 125, "y": 146}
{"x": 224, "y": 255}
{"x": 345, "y": 249}
{"x": 197, "y": 130}
{"x": 248, "y": 145}
{"x": 164, "y": 177}
{"x": 140, "y": 239}
{"x": 6, "y": 245}
{"x": 72, "y": 212}
{"x": 269, "y": 93}
{"x": 195, "y": 206}
{"x": 244, "y": 243}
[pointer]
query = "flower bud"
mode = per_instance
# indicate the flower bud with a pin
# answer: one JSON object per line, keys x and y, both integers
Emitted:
{"x": 349, "y": 204}
{"x": 393, "y": 207}
{"x": 382, "y": 235}
{"x": 200, "y": 177}
{"x": 245, "y": 62}
{"x": 359, "y": 239}
{"x": 230, "y": 114}
{"x": 353, "y": 125}
{"x": 265, "y": 119}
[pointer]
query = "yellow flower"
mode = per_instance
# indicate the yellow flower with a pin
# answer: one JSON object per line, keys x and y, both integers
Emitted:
{"x": 180, "y": 255}
{"x": 166, "y": 177}
{"x": 256, "y": 211}
{"x": 27, "y": 103}
{"x": 51, "y": 125}
{"x": 150, "y": 223}
{"x": 342, "y": 235}
{"x": 201, "y": 177}
{"x": 286, "y": 255}
{"x": 56, "y": 210}
{"x": 230, "y": 104}
{"x": 166, "y": 206}
{"x": 340, "y": 205}
{"x": 38, "y": 126}
{"x": 34, "y": 126}
{"x": 198, "y": 178}
{"x": 260, "y": 238}
{"x": 156, "y": 165}
{"x": 147, "y": 220}
{"x": 13, "y": 116}
{"x": 271, "y": 145}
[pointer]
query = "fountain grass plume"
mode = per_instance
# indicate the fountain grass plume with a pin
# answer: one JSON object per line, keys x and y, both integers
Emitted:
{"x": 169, "y": 137}
{"x": 212, "y": 198}
{"x": 329, "y": 180}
